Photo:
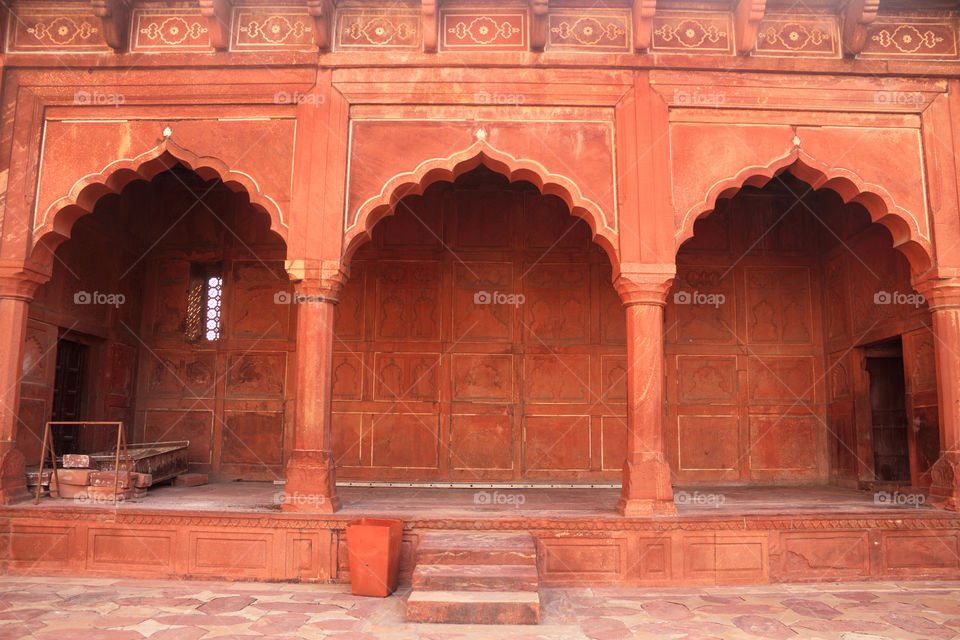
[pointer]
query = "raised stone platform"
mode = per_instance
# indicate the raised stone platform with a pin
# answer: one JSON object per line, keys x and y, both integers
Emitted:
{"x": 235, "y": 531}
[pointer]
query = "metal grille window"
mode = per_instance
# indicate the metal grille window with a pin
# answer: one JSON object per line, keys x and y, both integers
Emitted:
{"x": 204, "y": 302}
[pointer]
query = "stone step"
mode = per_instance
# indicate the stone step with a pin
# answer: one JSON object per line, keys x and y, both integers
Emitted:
{"x": 477, "y": 548}
{"x": 475, "y": 577}
{"x": 474, "y": 607}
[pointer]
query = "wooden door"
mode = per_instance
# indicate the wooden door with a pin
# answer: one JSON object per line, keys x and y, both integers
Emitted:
{"x": 68, "y": 389}
{"x": 889, "y": 419}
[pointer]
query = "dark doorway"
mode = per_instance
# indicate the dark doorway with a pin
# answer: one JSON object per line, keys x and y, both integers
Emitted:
{"x": 891, "y": 449}
{"x": 68, "y": 391}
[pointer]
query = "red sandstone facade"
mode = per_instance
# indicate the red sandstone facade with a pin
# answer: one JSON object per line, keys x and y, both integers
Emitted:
{"x": 732, "y": 225}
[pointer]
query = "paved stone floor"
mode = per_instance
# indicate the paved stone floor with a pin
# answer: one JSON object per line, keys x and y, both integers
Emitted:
{"x": 109, "y": 609}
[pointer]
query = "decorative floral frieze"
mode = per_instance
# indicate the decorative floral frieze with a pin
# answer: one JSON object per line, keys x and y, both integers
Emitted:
{"x": 366, "y": 29}
{"x": 55, "y": 31}
{"x": 800, "y": 35}
{"x": 595, "y": 31}
{"x": 911, "y": 38}
{"x": 692, "y": 33}
{"x": 284, "y": 27}
{"x": 483, "y": 31}
{"x": 166, "y": 30}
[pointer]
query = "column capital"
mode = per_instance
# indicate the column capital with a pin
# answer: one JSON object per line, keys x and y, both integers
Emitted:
{"x": 20, "y": 282}
{"x": 940, "y": 293}
{"x": 323, "y": 282}
{"x": 648, "y": 286}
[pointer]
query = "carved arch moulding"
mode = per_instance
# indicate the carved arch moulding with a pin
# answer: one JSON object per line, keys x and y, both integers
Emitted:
{"x": 882, "y": 170}
{"x": 83, "y": 161}
{"x": 569, "y": 159}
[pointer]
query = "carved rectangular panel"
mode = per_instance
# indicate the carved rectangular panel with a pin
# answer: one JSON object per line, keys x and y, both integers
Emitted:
{"x": 121, "y": 548}
{"x": 40, "y": 544}
{"x": 480, "y": 314}
{"x": 253, "y": 437}
{"x": 593, "y": 30}
{"x": 259, "y": 28}
{"x": 557, "y": 378}
{"x": 408, "y": 300}
{"x": 700, "y": 32}
{"x": 781, "y": 442}
{"x": 348, "y": 375}
{"x": 555, "y": 309}
{"x": 58, "y": 30}
{"x": 911, "y": 37}
{"x": 405, "y": 440}
{"x": 655, "y": 558}
{"x": 613, "y": 444}
{"x": 180, "y": 373}
{"x": 481, "y": 442}
{"x": 709, "y": 380}
{"x": 169, "y": 30}
{"x": 348, "y": 316}
{"x": 833, "y": 554}
{"x": 260, "y": 296}
{"x": 482, "y": 377}
{"x": 908, "y": 553}
{"x": 708, "y": 443}
{"x": 170, "y": 301}
{"x": 613, "y": 378}
{"x": 779, "y": 305}
{"x": 308, "y": 555}
{"x": 256, "y": 374}
{"x": 702, "y": 308}
{"x": 411, "y": 376}
{"x": 582, "y": 559}
{"x": 798, "y": 35}
{"x": 470, "y": 29}
{"x": 556, "y": 443}
{"x": 229, "y": 554}
{"x": 775, "y": 379}
{"x": 376, "y": 29}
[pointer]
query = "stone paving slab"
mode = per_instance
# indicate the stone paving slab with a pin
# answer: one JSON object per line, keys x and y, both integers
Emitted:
{"x": 110, "y": 609}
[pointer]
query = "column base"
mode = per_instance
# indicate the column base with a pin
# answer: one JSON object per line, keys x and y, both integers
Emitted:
{"x": 13, "y": 479}
{"x": 945, "y": 482}
{"x": 310, "y": 484}
{"x": 646, "y": 487}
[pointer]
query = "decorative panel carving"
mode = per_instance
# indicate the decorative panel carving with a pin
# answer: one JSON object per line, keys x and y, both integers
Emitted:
{"x": 481, "y": 442}
{"x": 259, "y": 300}
{"x": 593, "y": 30}
{"x": 225, "y": 554}
{"x": 407, "y": 300}
{"x": 170, "y": 303}
{"x": 347, "y": 376}
{"x": 258, "y": 28}
{"x": 830, "y": 554}
{"x": 779, "y": 305}
{"x": 469, "y": 29}
{"x": 555, "y": 309}
{"x": 699, "y": 32}
{"x": 781, "y": 378}
{"x": 801, "y": 35}
{"x": 121, "y": 362}
{"x": 707, "y": 380}
{"x": 557, "y": 378}
{"x": 347, "y": 444}
{"x": 702, "y": 309}
{"x": 377, "y": 29}
{"x": 119, "y": 548}
{"x": 180, "y": 372}
{"x": 613, "y": 442}
{"x": 614, "y": 378}
{"x": 256, "y": 374}
{"x": 909, "y": 553}
{"x": 475, "y": 316}
{"x": 911, "y": 37}
{"x": 55, "y": 29}
{"x": 411, "y": 376}
{"x": 483, "y": 377}
{"x": 170, "y": 29}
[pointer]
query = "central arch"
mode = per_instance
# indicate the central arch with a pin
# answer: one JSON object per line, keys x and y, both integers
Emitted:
{"x": 360, "y": 225}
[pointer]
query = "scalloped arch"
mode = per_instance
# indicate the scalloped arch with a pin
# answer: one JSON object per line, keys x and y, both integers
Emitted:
{"x": 56, "y": 223}
{"x": 907, "y": 237}
{"x": 360, "y": 226}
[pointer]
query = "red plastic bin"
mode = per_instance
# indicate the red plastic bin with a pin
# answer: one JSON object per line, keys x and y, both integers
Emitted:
{"x": 373, "y": 550}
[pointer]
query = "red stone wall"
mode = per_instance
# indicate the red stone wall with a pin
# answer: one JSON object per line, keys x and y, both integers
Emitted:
{"x": 755, "y": 392}
{"x": 227, "y": 397}
{"x": 429, "y": 385}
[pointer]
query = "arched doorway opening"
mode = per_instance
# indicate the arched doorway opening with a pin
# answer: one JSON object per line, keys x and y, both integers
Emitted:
{"x": 479, "y": 338}
{"x": 165, "y": 311}
{"x": 796, "y": 350}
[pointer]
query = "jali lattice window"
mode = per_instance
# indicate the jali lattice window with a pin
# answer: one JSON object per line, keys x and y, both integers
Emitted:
{"x": 204, "y": 302}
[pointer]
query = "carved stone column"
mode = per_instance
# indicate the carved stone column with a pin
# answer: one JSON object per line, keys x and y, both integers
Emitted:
{"x": 311, "y": 483}
{"x": 646, "y": 474}
{"x": 16, "y": 292}
{"x": 943, "y": 298}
